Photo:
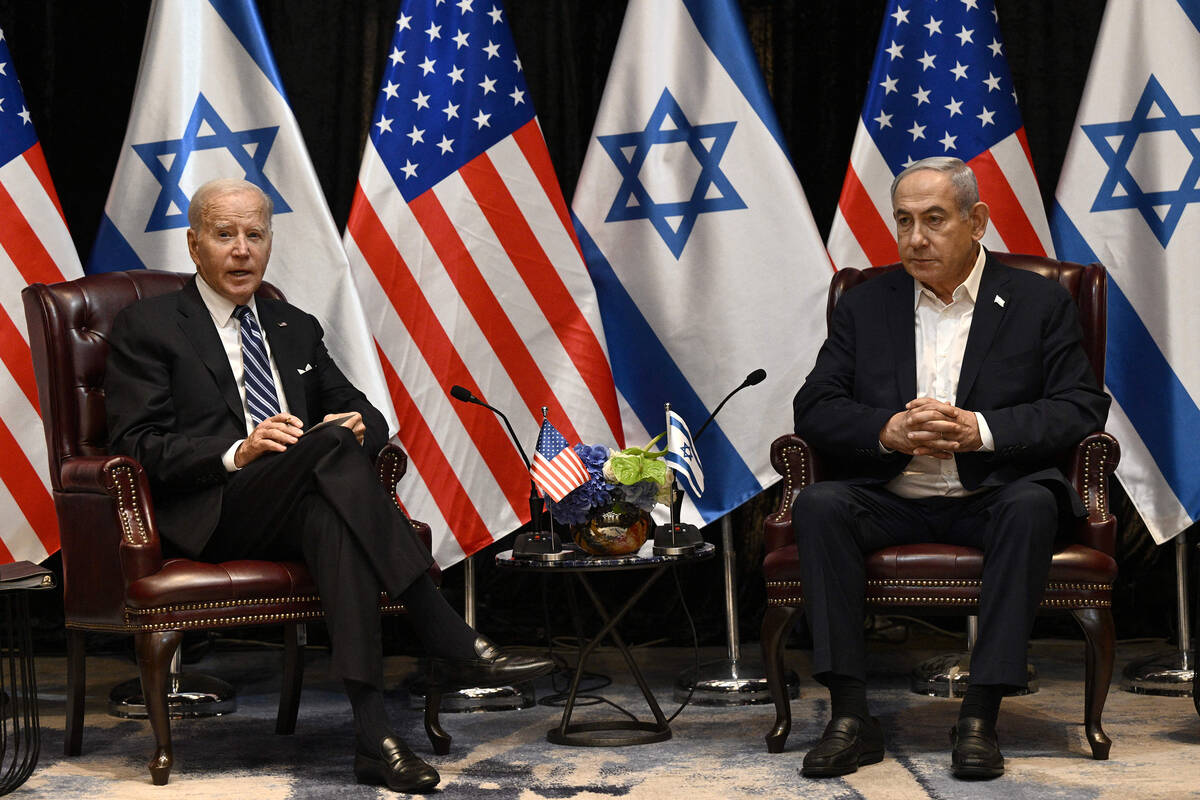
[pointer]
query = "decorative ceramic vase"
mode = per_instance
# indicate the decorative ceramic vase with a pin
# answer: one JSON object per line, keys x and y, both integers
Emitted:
{"x": 613, "y": 530}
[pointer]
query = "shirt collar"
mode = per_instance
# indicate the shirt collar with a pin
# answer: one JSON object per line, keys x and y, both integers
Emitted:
{"x": 220, "y": 307}
{"x": 967, "y": 290}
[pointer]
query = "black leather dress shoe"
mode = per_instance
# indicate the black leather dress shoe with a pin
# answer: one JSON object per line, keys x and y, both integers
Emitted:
{"x": 976, "y": 751}
{"x": 396, "y": 767}
{"x": 490, "y": 667}
{"x": 847, "y": 744}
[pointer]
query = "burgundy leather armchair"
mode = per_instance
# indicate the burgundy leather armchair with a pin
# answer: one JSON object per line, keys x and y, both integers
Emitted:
{"x": 945, "y": 578}
{"x": 116, "y": 578}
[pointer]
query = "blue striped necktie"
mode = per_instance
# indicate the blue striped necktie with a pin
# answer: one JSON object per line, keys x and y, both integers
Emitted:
{"x": 261, "y": 397}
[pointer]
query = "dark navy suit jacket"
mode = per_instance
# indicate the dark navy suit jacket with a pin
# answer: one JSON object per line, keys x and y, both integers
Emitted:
{"x": 1024, "y": 369}
{"x": 173, "y": 405}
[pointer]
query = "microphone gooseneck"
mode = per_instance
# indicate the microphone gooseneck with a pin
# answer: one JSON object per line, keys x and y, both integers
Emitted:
{"x": 462, "y": 394}
{"x": 753, "y": 379}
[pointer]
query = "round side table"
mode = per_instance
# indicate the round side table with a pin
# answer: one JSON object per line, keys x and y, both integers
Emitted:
{"x": 579, "y": 565}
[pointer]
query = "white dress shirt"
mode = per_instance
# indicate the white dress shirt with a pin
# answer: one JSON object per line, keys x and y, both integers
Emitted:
{"x": 941, "y": 340}
{"x": 230, "y": 330}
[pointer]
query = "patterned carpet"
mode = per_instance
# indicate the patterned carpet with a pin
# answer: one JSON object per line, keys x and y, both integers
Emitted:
{"x": 715, "y": 752}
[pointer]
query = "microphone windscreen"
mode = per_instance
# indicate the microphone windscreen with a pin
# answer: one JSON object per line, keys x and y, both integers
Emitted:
{"x": 756, "y": 377}
{"x": 461, "y": 393}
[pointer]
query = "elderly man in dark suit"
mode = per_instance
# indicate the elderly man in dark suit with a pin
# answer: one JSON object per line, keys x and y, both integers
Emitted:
{"x": 942, "y": 398}
{"x": 211, "y": 389}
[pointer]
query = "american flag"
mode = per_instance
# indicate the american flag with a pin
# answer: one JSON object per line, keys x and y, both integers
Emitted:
{"x": 940, "y": 86}
{"x": 557, "y": 469}
{"x": 34, "y": 247}
{"x": 470, "y": 273}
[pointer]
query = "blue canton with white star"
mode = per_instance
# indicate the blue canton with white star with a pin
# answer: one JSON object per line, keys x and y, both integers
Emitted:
{"x": 1155, "y": 112}
{"x": 16, "y": 128}
{"x": 712, "y": 192}
{"x": 452, "y": 88}
{"x": 940, "y": 85}
{"x": 249, "y": 148}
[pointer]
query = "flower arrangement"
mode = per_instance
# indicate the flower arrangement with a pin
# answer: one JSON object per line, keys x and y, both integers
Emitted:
{"x": 636, "y": 476}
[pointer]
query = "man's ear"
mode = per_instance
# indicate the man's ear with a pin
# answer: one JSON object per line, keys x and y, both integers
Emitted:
{"x": 191, "y": 241}
{"x": 978, "y": 218}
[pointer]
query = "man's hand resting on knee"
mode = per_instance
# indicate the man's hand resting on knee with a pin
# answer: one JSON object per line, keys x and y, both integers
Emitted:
{"x": 272, "y": 435}
{"x": 928, "y": 427}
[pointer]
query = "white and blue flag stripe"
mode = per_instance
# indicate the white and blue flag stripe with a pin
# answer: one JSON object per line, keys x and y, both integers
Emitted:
{"x": 208, "y": 104}
{"x": 699, "y": 240}
{"x": 682, "y": 455}
{"x": 1127, "y": 198}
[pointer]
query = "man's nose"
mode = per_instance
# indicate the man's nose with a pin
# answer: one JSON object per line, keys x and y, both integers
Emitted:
{"x": 241, "y": 247}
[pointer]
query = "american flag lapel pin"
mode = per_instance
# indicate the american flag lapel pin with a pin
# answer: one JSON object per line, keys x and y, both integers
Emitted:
{"x": 999, "y": 301}
{"x": 284, "y": 324}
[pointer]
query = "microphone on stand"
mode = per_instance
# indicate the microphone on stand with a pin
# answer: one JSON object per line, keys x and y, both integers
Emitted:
{"x": 536, "y": 544}
{"x": 680, "y": 537}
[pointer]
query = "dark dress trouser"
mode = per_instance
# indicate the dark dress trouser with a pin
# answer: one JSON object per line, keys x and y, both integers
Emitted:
{"x": 319, "y": 501}
{"x": 836, "y": 523}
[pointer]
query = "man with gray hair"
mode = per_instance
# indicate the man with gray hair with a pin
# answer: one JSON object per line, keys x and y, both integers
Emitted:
{"x": 218, "y": 394}
{"x": 942, "y": 400}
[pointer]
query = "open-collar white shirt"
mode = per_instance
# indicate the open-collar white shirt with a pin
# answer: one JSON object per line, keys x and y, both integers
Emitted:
{"x": 941, "y": 340}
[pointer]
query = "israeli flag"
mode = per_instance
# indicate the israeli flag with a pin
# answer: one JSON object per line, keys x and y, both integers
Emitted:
{"x": 700, "y": 242}
{"x": 1125, "y": 198}
{"x": 209, "y": 104}
{"x": 682, "y": 455}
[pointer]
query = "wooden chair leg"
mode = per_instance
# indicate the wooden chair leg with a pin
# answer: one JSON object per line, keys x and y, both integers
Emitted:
{"x": 154, "y": 651}
{"x": 1098, "y": 629}
{"x": 433, "y": 726}
{"x": 777, "y": 622}
{"x": 76, "y": 686}
{"x": 293, "y": 677}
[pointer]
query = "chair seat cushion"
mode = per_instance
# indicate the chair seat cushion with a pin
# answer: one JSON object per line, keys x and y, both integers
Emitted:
{"x": 183, "y": 581}
{"x": 950, "y": 576}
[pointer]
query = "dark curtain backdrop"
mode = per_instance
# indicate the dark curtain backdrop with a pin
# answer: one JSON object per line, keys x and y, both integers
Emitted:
{"x": 78, "y": 63}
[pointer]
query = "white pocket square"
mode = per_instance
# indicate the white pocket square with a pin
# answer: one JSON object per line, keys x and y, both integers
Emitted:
{"x": 307, "y": 368}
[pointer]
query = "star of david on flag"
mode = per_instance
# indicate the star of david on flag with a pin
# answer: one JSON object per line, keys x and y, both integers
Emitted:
{"x": 682, "y": 456}
{"x": 1127, "y": 197}
{"x": 939, "y": 86}
{"x": 1155, "y": 112}
{"x": 713, "y": 191}
{"x": 699, "y": 240}
{"x": 557, "y": 469}
{"x": 209, "y": 103}
{"x": 249, "y": 149}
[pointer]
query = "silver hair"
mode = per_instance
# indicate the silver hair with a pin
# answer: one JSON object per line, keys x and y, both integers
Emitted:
{"x": 962, "y": 177}
{"x": 203, "y": 197}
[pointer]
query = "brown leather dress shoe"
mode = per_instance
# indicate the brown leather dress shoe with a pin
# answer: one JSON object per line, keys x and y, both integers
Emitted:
{"x": 847, "y": 744}
{"x": 976, "y": 751}
{"x": 490, "y": 666}
{"x": 396, "y": 767}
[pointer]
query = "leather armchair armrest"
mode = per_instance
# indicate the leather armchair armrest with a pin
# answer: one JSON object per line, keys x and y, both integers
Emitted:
{"x": 390, "y": 465}
{"x": 1092, "y": 463}
{"x": 795, "y": 460}
{"x": 141, "y": 549}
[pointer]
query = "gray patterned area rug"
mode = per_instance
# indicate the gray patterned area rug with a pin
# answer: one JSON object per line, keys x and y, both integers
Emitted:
{"x": 715, "y": 753}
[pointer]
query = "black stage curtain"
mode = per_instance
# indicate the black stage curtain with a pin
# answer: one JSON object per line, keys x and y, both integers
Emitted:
{"x": 78, "y": 62}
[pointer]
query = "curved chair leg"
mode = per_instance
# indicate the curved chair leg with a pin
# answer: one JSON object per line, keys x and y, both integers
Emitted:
{"x": 1098, "y": 628}
{"x": 293, "y": 677}
{"x": 154, "y": 651}
{"x": 777, "y": 621}
{"x": 76, "y": 685}
{"x": 433, "y": 726}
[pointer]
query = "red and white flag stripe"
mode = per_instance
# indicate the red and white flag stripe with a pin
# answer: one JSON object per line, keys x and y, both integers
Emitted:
{"x": 479, "y": 282}
{"x": 862, "y": 233}
{"x": 560, "y": 475}
{"x": 34, "y": 247}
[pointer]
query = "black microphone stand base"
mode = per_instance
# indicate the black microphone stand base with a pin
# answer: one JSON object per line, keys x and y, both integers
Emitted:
{"x": 539, "y": 546}
{"x": 676, "y": 539}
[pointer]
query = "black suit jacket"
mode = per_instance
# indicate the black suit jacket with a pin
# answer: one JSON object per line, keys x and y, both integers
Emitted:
{"x": 172, "y": 403}
{"x": 1024, "y": 369}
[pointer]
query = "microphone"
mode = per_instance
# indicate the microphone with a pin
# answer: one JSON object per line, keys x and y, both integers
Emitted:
{"x": 680, "y": 537}
{"x": 536, "y": 544}
{"x": 753, "y": 379}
